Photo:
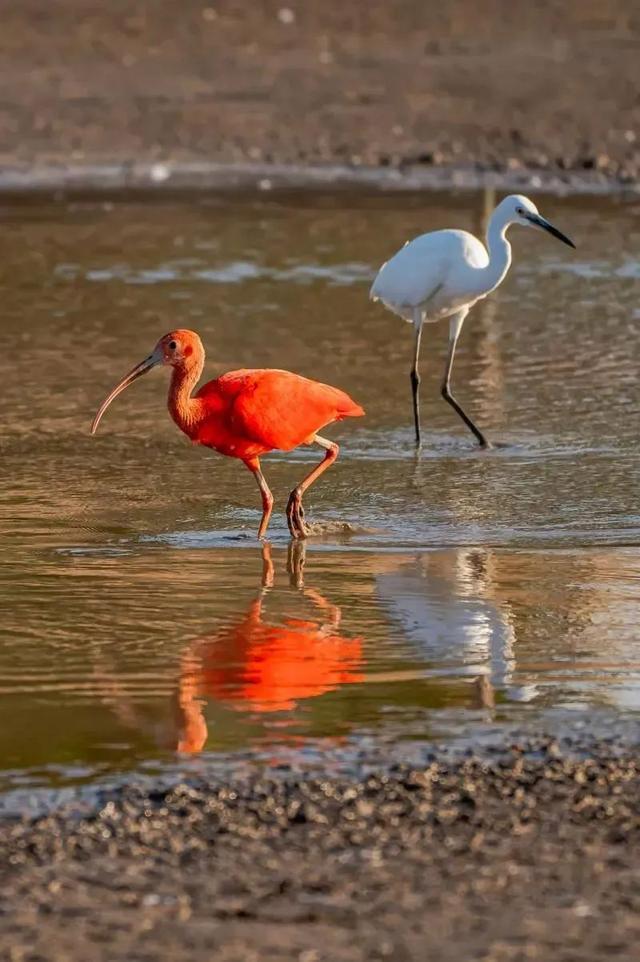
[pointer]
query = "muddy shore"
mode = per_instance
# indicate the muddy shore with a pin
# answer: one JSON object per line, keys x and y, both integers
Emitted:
{"x": 94, "y": 93}
{"x": 528, "y": 853}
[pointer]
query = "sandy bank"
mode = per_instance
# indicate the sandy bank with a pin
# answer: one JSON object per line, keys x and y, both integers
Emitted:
{"x": 525, "y": 854}
{"x": 463, "y": 90}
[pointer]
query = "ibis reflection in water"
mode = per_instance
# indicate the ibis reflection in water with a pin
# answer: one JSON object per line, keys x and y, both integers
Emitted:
{"x": 255, "y": 665}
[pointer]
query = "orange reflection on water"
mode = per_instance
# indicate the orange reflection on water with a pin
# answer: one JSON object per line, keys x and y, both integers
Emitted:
{"x": 266, "y": 667}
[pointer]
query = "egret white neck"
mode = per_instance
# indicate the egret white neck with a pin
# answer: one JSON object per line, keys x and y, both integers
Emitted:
{"x": 499, "y": 251}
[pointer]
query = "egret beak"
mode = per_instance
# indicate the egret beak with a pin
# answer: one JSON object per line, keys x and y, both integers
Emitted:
{"x": 539, "y": 221}
{"x": 140, "y": 369}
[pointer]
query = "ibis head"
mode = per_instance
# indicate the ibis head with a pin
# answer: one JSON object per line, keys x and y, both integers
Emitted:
{"x": 176, "y": 349}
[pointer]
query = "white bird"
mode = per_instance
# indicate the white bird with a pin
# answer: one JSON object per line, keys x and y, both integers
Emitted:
{"x": 443, "y": 274}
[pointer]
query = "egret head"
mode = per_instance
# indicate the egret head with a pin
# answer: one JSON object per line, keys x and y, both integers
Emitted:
{"x": 518, "y": 209}
{"x": 178, "y": 349}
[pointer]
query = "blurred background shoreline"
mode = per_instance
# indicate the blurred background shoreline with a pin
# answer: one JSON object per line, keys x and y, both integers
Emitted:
{"x": 540, "y": 95}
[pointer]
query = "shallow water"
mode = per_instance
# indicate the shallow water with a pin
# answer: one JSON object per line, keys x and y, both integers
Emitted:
{"x": 478, "y": 589}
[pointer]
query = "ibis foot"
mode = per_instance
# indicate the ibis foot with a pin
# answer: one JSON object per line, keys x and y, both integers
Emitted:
{"x": 295, "y": 516}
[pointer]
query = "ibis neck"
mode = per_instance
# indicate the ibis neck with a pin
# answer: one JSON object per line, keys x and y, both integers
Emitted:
{"x": 499, "y": 253}
{"x": 183, "y": 408}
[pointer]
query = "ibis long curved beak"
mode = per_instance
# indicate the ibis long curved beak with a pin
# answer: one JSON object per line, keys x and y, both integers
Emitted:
{"x": 539, "y": 221}
{"x": 133, "y": 375}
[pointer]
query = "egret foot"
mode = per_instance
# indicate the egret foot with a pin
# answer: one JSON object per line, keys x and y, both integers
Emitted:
{"x": 295, "y": 516}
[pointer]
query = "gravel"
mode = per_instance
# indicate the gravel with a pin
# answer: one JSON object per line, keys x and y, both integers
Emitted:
{"x": 525, "y": 853}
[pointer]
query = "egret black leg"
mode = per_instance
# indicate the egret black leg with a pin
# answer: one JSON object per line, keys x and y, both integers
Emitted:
{"x": 415, "y": 374}
{"x": 454, "y": 333}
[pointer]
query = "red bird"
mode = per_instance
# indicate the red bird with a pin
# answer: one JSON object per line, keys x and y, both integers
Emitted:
{"x": 245, "y": 414}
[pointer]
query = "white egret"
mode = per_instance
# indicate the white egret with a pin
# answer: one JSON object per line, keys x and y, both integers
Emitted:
{"x": 443, "y": 274}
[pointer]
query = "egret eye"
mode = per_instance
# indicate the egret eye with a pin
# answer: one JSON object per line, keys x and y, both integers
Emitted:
{"x": 519, "y": 211}
{"x": 172, "y": 345}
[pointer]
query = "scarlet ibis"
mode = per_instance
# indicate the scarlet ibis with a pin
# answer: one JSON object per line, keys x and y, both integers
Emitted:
{"x": 245, "y": 414}
{"x": 443, "y": 273}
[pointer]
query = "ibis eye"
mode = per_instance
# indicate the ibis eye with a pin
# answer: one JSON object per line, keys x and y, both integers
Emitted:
{"x": 172, "y": 345}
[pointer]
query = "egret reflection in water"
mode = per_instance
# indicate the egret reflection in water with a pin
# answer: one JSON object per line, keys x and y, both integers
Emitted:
{"x": 444, "y": 604}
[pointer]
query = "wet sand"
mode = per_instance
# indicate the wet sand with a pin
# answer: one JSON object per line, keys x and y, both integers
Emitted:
{"x": 447, "y": 94}
{"x": 526, "y": 853}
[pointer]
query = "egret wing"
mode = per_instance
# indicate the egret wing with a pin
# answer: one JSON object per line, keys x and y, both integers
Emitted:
{"x": 425, "y": 266}
{"x": 410, "y": 276}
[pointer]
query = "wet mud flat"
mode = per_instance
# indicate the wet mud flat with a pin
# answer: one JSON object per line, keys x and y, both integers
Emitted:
{"x": 526, "y": 852}
{"x": 504, "y": 87}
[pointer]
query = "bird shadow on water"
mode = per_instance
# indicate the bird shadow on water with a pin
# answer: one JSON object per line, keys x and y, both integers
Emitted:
{"x": 321, "y": 532}
{"x": 529, "y": 446}
{"x": 398, "y": 444}
{"x": 336, "y": 531}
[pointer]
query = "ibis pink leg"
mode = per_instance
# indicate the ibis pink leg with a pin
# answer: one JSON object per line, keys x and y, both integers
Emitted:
{"x": 267, "y": 498}
{"x": 295, "y": 511}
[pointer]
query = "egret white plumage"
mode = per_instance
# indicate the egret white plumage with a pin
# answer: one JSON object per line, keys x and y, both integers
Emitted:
{"x": 443, "y": 273}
